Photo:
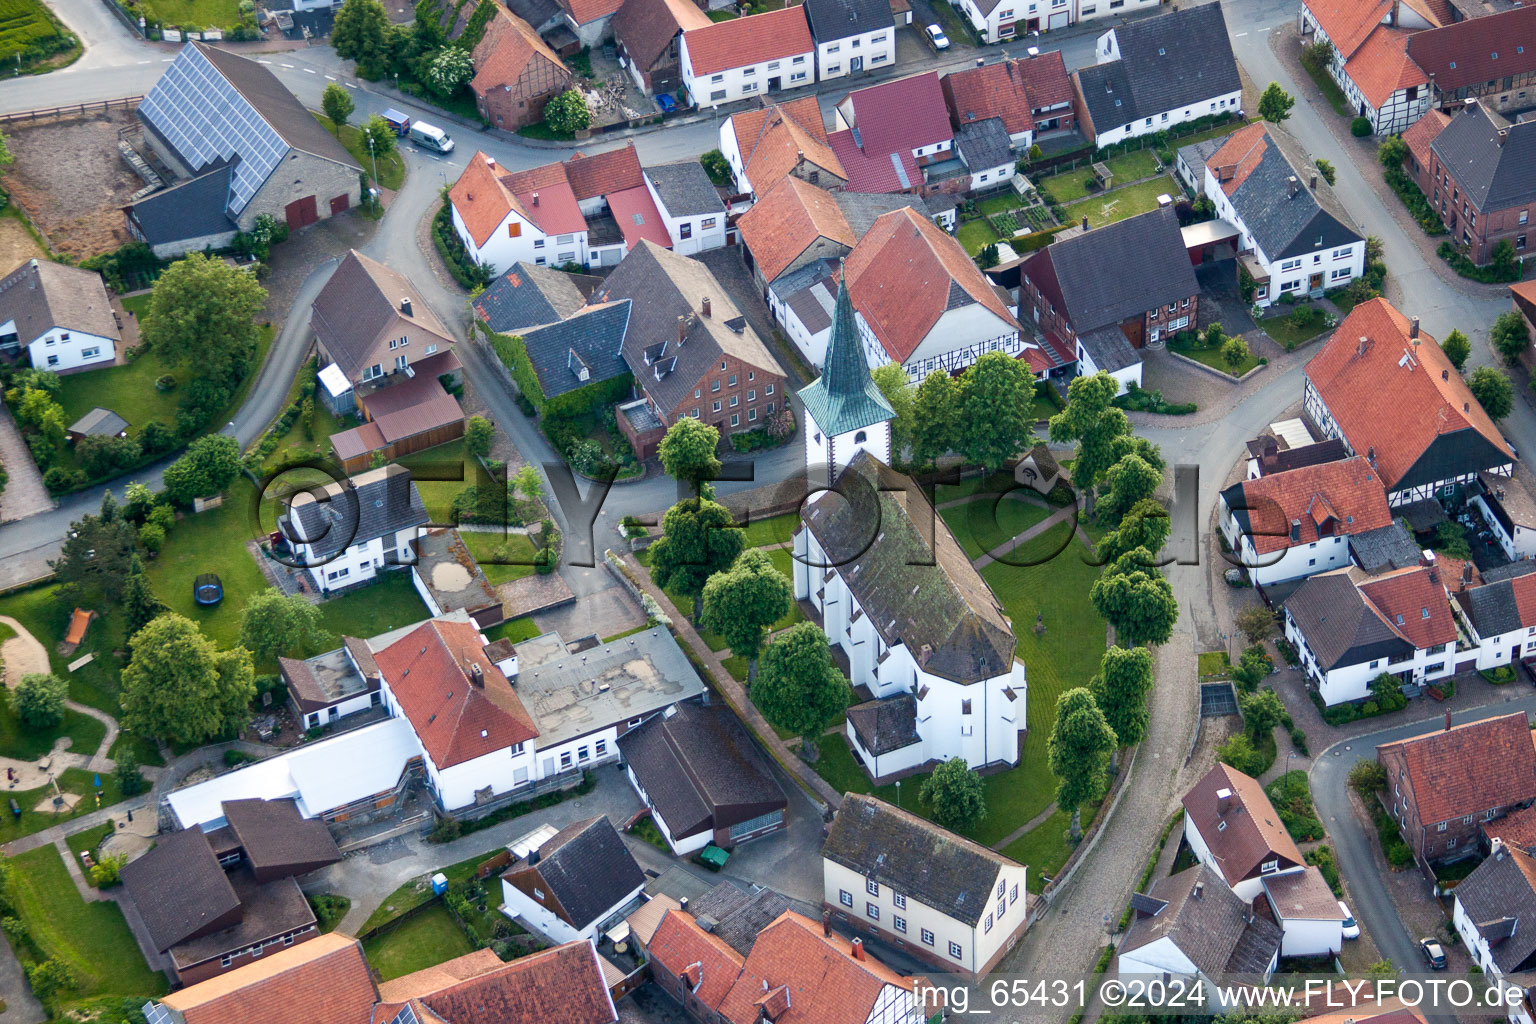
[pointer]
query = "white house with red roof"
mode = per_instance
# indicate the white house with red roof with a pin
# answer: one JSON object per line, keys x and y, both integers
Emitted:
{"x": 747, "y": 57}
{"x": 1371, "y": 63}
{"x": 887, "y": 134}
{"x": 768, "y": 144}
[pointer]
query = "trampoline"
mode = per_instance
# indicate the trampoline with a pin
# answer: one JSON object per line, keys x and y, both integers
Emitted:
{"x": 208, "y": 590}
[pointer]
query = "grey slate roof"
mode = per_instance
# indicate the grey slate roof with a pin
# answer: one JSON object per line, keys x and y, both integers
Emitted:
{"x": 278, "y": 840}
{"x": 914, "y": 857}
{"x": 862, "y": 209}
{"x": 40, "y": 295}
{"x": 916, "y": 594}
{"x": 845, "y": 397}
{"x": 1524, "y": 567}
{"x": 267, "y": 910}
{"x": 360, "y": 299}
{"x": 740, "y": 926}
{"x": 1212, "y": 929}
{"x": 1284, "y": 225}
{"x": 684, "y": 188}
{"x": 1166, "y": 62}
{"x": 1493, "y": 175}
{"x": 588, "y": 869}
{"x": 593, "y": 339}
{"x": 1384, "y": 548}
{"x": 531, "y": 296}
{"x": 832, "y": 20}
{"x": 1503, "y": 887}
{"x": 885, "y": 725}
{"x": 983, "y": 144}
{"x": 370, "y": 505}
{"x": 1108, "y": 348}
{"x": 179, "y": 888}
{"x": 99, "y": 422}
{"x": 1494, "y": 609}
{"x": 1099, "y": 285}
{"x": 1339, "y": 624}
{"x": 194, "y": 208}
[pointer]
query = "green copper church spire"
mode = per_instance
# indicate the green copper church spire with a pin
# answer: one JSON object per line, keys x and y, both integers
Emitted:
{"x": 844, "y": 398}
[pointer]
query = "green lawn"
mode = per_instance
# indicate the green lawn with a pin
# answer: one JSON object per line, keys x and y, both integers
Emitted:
{"x": 1108, "y": 207}
{"x": 515, "y": 630}
{"x": 329, "y": 909}
{"x": 1214, "y": 665}
{"x": 1220, "y": 131}
{"x": 71, "y": 780}
{"x": 984, "y": 524}
{"x": 24, "y": 744}
{"x": 1127, "y": 167}
{"x": 375, "y": 608}
{"x": 759, "y": 533}
{"x": 86, "y": 842}
{"x": 416, "y": 892}
{"x": 91, "y": 938}
{"x": 782, "y": 559}
{"x": 1004, "y": 203}
{"x": 47, "y": 619}
{"x": 137, "y": 747}
{"x": 1281, "y": 329}
{"x": 976, "y": 235}
{"x": 503, "y": 558}
{"x": 194, "y": 13}
{"x": 299, "y": 444}
{"x": 1212, "y": 357}
{"x": 1044, "y": 848}
{"x": 1329, "y": 88}
{"x": 445, "y": 460}
{"x": 391, "y": 165}
{"x": 426, "y": 940}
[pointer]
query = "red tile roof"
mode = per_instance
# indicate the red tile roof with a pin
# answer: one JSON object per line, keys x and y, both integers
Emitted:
{"x": 1348, "y": 22}
{"x": 1423, "y": 131}
{"x": 506, "y": 51}
{"x": 545, "y": 195}
{"x": 601, "y": 173}
{"x": 1525, "y": 289}
{"x": 1394, "y": 397}
{"x": 1252, "y": 833}
{"x": 482, "y": 199}
{"x": 1477, "y": 50}
{"x": 565, "y": 983}
{"x": 995, "y": 90}
{"x": 823, "y": 982}
{"x": 1414, "y": 603}
{"x": 1045, "y": 79}
{"x": 787, "y": 221}
{"x": 750, "y": 40}
{"x": 324, "y": 979}
{"x": 872, "y": 170}
{"x": 584, "y": 12}
{"x": 1332, "y": 499}
{"x": 679, "y": 944}
{"x": 908, "y": 113}
{"x": 646, "y": 27}
{"x": 638, "y": 217}
{"x": 773, "y": 140}
{"x": 1517, "y": 828}
{"x": 1242, "y": 152}
{"x": 1468, "y": 769}
{"x": 430, "y": 672}
{"x": 1381, "y": 66}
{"x": 901, "y": 276}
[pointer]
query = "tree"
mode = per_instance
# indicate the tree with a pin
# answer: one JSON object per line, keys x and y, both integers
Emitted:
{"x": 1493, "y": 391}
{"x": 140, "y": 605}
{"x": 1234, "y": 351}
{"x": 954, "y": 792}
{"x": 891, "y": 379}
{"x": 699, "y": 539}
{"x": 1136, "y": 599}
{"x": 988, "y": 257}
{"x": 1079, "y": 750}
{"x": 1128, "y": 482}
{"x": 1505, "y": 260}
{"x": 742, "y": 603}
{"x": 336, "y": 102}
{"x": 179, "y": 687}
{"x": 687, "y": 453}
{"x": 1391, "y": 152}
{"x": 1262, "y": 711}
{"x": 381, "y": 134}
{"x": 526, "y": 482}
{"x": 450, "y": 70}
{"x": 997, "y": 396}
{"x": 1457, "y": 348}
{"x": 1144, "y": 525}
{"x": 1326, "y": 169}
{"x": 129, "y": 781}
{"x": 272, "y": 624}
{"x": 1275, "y": 105}
{"x": 567, "y": 113}
{"x": 717, "y": 167}
{"x": 934, "y": 408}
{"x": 1368, "y": 777}
{"x": 799, "y": 689}
{"x": 1509, "y": 336}
{"x": 361, "y": 33}
{"x": 478, "y": 435}
{"x": 95, "y": 557}
{"x": 209, "y": 465}
{"x": 1121, "y": 688}
{"x": 1256, "y": 622}
{"x": 202, "y": 312}
{"x": 1102, "y": 432}
{"x": 107, "y": 456}
{"x": 46, "y": 979}
{"x": 39, "y": 700}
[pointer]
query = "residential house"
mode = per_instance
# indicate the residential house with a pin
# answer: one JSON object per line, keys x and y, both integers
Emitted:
{"x": 1087, "y": 299}
{"x": 1349, "y": 628}
{"x": 345, "y": 533}
{"x": 1371, "y": 62}
{"x": 1032, "y": 95}
{"x": 516, "y": 72}
{"x": 371, "y": 321}
{"x": 903, "y": 880}
{"x": 689, "y": 347}
{"x": 986, "y": 153}
{"x": 324, "y": 979}
{"x": 1500, "y": 620}
{"x": 745, "y": 57}
{"x": 852, "y": 36}
{"x": 1284, "y": 526}
{"x": 1442, "y": 786}
{"x": 703, "y": 778}
{"x": 735, "y": 915}
{"x": 530, "y": 295}
{"x": 1233, "y": 829}
{"x": 572, "y": 885}
{"x": 1509, "y": 511}
{"x": 564, "y": 983}
{"x": 61, "y": 315}
{"x": 889, "y": 135}
{"x": 1490, "y": 59}
{"x": 1295, "y": 237}
{"x": 1489, "y": 905}
{"x": 1269, "y": 453}
{"x": 1157, "y": 73}
{"x": 1192, "y": 926}
{"x": 693, "y": 966}
{"x": 689, "y": 204}
{"x": 1479, "y": 178}
{"x": 921, "y": 301}
{"x": 588, "y": 21}
{"x": 329, "y": 686}
{"x": 783, "y": 140}
{"x": 648, "y": 34}
{"x": 581, "y": 350}
{"x": 1387, "y": 390}
{"x": 226, "y": 123}
{"x": 1307, "y": 911}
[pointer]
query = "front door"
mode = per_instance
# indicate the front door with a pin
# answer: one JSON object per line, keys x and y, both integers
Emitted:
{"x": 855, "y": 64}
{"x": 775, "y": 84}
{"x": 1317, "y": 282}
{"x": 301, "y": 213}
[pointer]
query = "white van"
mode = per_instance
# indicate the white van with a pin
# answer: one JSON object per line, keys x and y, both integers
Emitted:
{"x": 431, "y": 137}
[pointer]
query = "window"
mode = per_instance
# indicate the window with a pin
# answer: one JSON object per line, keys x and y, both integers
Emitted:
{"x": 871, "y": 911}
{"x": 833, "y": 47}
{"x": 986, "y": 925}
{"x": 773, "y": 65}
{"x": 695, "y": 413}
{"x": 799, "y": 60}
{"x": 872, "y": 887}
{"x": 1013, "y": 895}
{"x": 900, "y": 923}
{"x": 565, "y": 759}
{"x": 751, "y": 415}
{"x": 1270, "y": 865}
{"x": 429, "y": 350}
{"x": 583, "y": 754}
{"x": 89, "y": 353}
{"x": 538, "y": 243}
{"x": 714, "y": 407}
{"x": 735, "y": 401}
{"x": 1340, "y": 273}
{"x": 1467, "y": 820}
{"x": 1524, "y": 216}
{"x": 927, "y": 937}
{"x": 717, "y": 95}
{"x": 769, "y": 410}
{"x": 732, "y": 382}
{"x": 1441, "y": 827}
{"x": 845, "y": 898}
{"x": 768, "y": 391}
{"x": 685, "y": 230}
{"x": 799, "y": 76}
{"x": 716, "y": 79}
{"x": 751, "y": 394}
{"x": 955, "y": 950}
{"x": 714, "y": 386}
{"x": 900, "y": 900}
{"x": 735, "y": 419}
{"x": 1002, "y": 908}
{"x": 226, "y": 961}
{"x": 1519, "y": 241}
{"x": 834, "y": 69}
{"x": 706, "y": 223}
{"x": 748, "y": 72}
{"x": 567, "y": 257}
{"x": 1221, "y": 826}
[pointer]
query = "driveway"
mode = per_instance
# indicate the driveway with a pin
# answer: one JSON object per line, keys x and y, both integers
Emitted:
{"x": 24, "y": 494}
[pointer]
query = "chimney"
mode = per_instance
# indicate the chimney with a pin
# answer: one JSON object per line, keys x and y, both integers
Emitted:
{"x": 490, "y": 162}
{"x": 1295, "y": 185}
{"x": 477, "y": 676}
{"x": 682, "y": 329}
{"x": 1466, "y": 572}
{"x": 858, "y": 949}
{"x": 1365, "y": 343}
{"x": 1503, "y": 134}
{"x": 533, "y": 856}
{"x": 1370, "y": 455}
{"x": 405, "y": 305}
{"x": 1223, "y": 801}
{"x": 1295, "y": 529}
{"x": 1199, "y": 890}
{"x": 1397, "y": 11}
{"x": 924, "y": 653}
{"x": 704, "y": 307}
{"x": 1085, "y": 223}
{"x": 826, "y": 923}
{"x": 1312, "y": 184}
{"x": 535, "y": 199}
{"x": 1413, "y": 327}
{"x": 1447, "y": 721}
{"x": 1498, "y": 848}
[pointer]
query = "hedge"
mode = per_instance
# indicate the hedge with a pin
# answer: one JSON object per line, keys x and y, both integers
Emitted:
{"x": 1413, "y": 198}
{"x": 509, "y": 349}
{"x": 1490, "y": 274}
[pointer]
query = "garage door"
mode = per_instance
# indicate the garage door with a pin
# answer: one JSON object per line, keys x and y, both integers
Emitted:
{"x": 757, "y": 824}
{"x": 340, "y": 204}
{"x": 302, "y": 212}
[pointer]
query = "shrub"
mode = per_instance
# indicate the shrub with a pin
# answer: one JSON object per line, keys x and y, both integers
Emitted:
{"x": 461, "y": 266}
{"x": 1239, "y": 752}
{"x": 1321, "y": 857}
{"x": 39, "y": 700}
{"x": 1413, "y": 198}
{"x": 1494, "y": 273}
{"x": 165, "y": 382}
{"x": 716, "y": 166}
{"x": 129, "y": 780}
{"x": 156, "y": 437}
{"x": 478, "y": 435}
{"x": 1360, "y": 127}
{"x": 104, "y": 873}
{"x": 61, "y": 478}
{"x": 1299, "y": 741}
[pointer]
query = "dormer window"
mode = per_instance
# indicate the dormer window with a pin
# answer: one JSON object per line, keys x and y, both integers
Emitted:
{"x": 1269, "y": 865}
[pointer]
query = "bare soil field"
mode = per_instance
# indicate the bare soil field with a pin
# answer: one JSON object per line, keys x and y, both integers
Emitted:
{"x": 17, "y": 245}
{"x": 75, "y": 202}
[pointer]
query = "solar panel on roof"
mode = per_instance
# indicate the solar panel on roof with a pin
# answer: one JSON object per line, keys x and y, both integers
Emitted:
{"x": 205, "y": 119}
{"x": 405, "y": 1016}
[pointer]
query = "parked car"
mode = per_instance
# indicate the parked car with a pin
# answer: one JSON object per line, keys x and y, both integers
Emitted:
{"x": 938, "y": 38}
{"x": 666, "y": 102}
{"x": 1351, "y": 927}
{"x": 1434, "y": 953}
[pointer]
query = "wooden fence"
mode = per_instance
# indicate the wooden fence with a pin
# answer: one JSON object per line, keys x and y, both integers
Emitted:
{"x": 73, "y": 110}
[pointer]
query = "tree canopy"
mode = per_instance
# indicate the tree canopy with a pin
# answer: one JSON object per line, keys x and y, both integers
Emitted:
{"x": 39, "y": 700}
{"x": 273, "y": 624}
{"x": 1136, "y": 599}
{"x": 687, "y": 453}
{"x": 1079, "y": 750}
{"x": 95, "y": 557}
{"x": 209, "y": 465}
{"x": 1275, "y": 105}
{"x": 1121, "y": 689}
{"x": 934, "y": 410}
{"x": 798, "y": 688}
{"x": 996, "y": 400}
{"x": 744, "y": 601}
{"x": 699, "y": 539}
{"x": 140, "y": 605}
{"x": 179, "y": 687}
{"x": 1145, "y": 524}
{"x": 361, "y": 33}
{"x": 891, "y": 379}
{"x": 1128, "y": 483}
{"x": 1493, "y": 391}
{"x": 954, "y": 792}
{"x": 1509, "y": 336}
{"x": 1457, "y": 348}
{"x": 567, "y": 113}
{"x": 336, "y": 103}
